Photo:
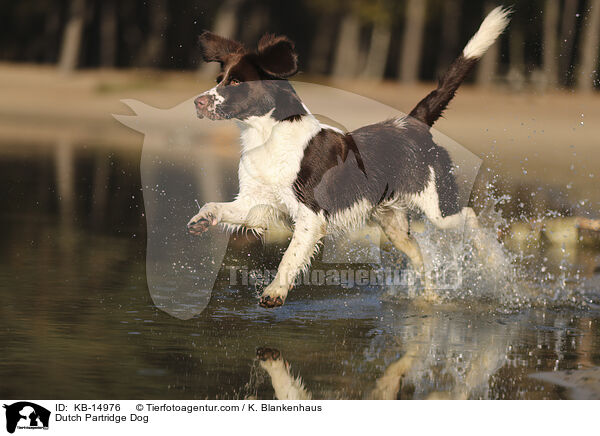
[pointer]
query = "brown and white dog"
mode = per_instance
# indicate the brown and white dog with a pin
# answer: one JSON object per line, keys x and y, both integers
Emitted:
{"x": 325, "y": 181}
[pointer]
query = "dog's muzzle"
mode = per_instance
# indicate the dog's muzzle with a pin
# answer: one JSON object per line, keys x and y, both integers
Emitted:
{"x": 206, "y": 106}
{"x": 203, "y": 103}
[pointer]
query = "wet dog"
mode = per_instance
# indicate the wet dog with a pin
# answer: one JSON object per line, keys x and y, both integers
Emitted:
{"x": 325, "y": 181}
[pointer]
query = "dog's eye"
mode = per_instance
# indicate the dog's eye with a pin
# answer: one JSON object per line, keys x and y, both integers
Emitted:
{"x": 234, "y": 82}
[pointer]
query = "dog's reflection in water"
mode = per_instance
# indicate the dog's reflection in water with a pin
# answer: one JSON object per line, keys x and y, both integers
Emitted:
{"x": 286, "y": 386}
{"x": 446, "y": 359}
{"x": 442, "y": 359}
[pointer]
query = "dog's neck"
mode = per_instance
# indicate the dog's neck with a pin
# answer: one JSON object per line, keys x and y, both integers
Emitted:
{"x": 263, "y": 130}
{"x": 259, "y": 127}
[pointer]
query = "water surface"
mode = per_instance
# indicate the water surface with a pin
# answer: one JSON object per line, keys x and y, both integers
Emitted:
{"x": 77, "y": 320}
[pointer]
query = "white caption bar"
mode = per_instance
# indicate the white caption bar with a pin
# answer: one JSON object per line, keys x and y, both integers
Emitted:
{"x": 297, "y": 417}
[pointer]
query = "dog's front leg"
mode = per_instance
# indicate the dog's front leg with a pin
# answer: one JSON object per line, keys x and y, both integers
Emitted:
{"x": 309, "y": 229}
{"x": 238, "y": 213}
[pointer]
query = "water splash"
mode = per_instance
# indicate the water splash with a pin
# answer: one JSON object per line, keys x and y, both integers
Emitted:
{"x": 474, "y": 266}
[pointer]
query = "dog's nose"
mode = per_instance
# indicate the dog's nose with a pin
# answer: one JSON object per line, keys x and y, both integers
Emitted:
{"x": 202, "y": 101}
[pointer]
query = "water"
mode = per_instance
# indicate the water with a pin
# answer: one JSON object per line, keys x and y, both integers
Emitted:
{"x": 77, "y": 320}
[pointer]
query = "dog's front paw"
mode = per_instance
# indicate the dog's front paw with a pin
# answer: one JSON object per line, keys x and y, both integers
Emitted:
{"x": 273, "y": 296}
{"x": 201, "y": 222}
{"x": 270, "y": 302}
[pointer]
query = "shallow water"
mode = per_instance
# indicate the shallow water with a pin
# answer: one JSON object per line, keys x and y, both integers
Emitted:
{"x": 77, "y": 320}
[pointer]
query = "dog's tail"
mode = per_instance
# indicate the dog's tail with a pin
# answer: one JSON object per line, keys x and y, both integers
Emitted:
{"x": 431, "y": 107}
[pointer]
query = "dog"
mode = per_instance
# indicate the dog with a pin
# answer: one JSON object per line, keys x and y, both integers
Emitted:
{"x": 325, "y": 181}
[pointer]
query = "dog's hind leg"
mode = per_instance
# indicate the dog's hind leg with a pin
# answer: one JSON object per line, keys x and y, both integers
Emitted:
{"x": 484, "y": 243}
{"x": 428, "y": 200}
{"x": 394, "y": 224}
{"x": 466, "y": 218}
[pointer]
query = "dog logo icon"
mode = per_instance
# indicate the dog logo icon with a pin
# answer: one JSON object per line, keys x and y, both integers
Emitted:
{"x": 26, "y": 415}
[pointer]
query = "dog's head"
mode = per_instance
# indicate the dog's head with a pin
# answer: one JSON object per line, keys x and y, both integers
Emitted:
{"x": 251, "y": 83}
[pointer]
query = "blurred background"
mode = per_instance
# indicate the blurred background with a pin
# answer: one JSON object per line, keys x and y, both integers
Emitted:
{"x": 77, "y": 320}
{"x": 528, "y": 110}
{"x": 551, "y": 42}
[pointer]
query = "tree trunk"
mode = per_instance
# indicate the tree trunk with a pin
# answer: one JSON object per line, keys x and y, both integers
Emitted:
{"x": 256, "y": 22}
{"x": 550, "y": 60}
{"x": 516, "y": 71}
{"x": 73, "y": 33}
{"x": 486, "y": 70}
{"x": 52, "y": 28}
{"x": 378, "y": 52}
{"x": 321, "y": 47}
{"x": 450, "y": 34}
{"x": 567, "y": 39}
{"x": 152, "y": 52}
{"x": 108, "y": 34}
{"x": 225, "y": 26}
{"x": 412, "y": 41}
{"x": 589, "y": 48}
{"x": 347, "y": 53}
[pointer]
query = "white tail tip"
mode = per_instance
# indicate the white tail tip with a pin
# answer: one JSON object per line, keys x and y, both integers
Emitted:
{"x": 491, "y": 28}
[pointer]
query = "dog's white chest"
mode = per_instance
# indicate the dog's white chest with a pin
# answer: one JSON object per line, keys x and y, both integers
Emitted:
{"x": 271, "y": 156}
{"x": 271, "y": 166}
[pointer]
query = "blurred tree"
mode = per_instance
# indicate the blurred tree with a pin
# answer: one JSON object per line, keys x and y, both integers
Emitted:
{"x": 347, "y": 52}
{"x": 322, "y": 43}
{"x": 255, "y": 21}
{"x": 587, "y": 74}
{"x": 380, "y": 13}
{"x": 450, "y": 34}
{"x": 108, "y": 33}
{"x": 377, "y": 53}
{"x": 412, "y": 41}
{"x": 351, "y": 58}
{"x": 567, "y": 39}
{"x": 342, "y": 37}
{"x": 152, "y": 52}
{"x": 131, "y": 33}
{"x": 550, "y": 60}
{"x": 52, "y": 28}
{"x": 73, "y": 33}
{"x": 346, "y": 49}
{"x": 516, "y": 69}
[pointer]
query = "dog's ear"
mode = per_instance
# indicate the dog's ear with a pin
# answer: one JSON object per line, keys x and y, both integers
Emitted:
{"x": 277, "y": 56}
{"x": 215, "y": 48}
